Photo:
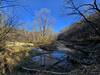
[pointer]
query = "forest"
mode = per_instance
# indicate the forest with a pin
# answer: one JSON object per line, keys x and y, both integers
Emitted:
{"x": 40, "y": 50}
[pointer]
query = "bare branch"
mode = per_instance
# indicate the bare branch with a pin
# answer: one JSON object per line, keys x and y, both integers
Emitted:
{"x": 44, "y": 71}
{"x": 6, "y": 6}
{"x": 8, "y": 1}
{"x": 96, "y": 6}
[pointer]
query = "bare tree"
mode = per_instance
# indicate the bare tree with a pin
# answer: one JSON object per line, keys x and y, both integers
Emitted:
{"x": 82, "y": 10}
{"x": 6, "y": 22}
{"x": 43, "y": 21}
{"x": 43, "y": 26}
{"x": 89, "y": 48}
{"x": 6, "y": 26}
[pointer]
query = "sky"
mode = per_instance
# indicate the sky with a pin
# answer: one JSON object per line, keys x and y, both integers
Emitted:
{"x": 25, "y": 14}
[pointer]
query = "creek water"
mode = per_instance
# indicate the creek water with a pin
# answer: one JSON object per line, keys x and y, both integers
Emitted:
{"x": 57, "y": 55}
{"x": 52, "y": 59}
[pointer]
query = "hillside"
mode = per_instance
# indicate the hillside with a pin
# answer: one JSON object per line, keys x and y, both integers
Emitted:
{"x": 84, "y": 40}
{"x": 81, "y": 30}
{"x": 82, "y": 44}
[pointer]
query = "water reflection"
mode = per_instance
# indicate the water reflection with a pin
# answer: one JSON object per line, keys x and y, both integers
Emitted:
{"x": 49, "y": 58}
{"x": 55, "y": 60}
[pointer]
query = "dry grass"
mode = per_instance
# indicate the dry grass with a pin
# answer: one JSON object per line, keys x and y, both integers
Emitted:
{"x": 11, "y": 56}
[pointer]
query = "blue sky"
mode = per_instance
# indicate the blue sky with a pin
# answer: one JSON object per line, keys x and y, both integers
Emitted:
{"x": 26, "y": 15}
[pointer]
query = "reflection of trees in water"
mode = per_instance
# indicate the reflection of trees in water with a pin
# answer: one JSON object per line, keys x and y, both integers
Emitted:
{"x": 48, "y": 62}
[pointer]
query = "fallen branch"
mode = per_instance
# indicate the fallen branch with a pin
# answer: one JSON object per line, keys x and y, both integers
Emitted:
{"x": 45, "y": 71}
